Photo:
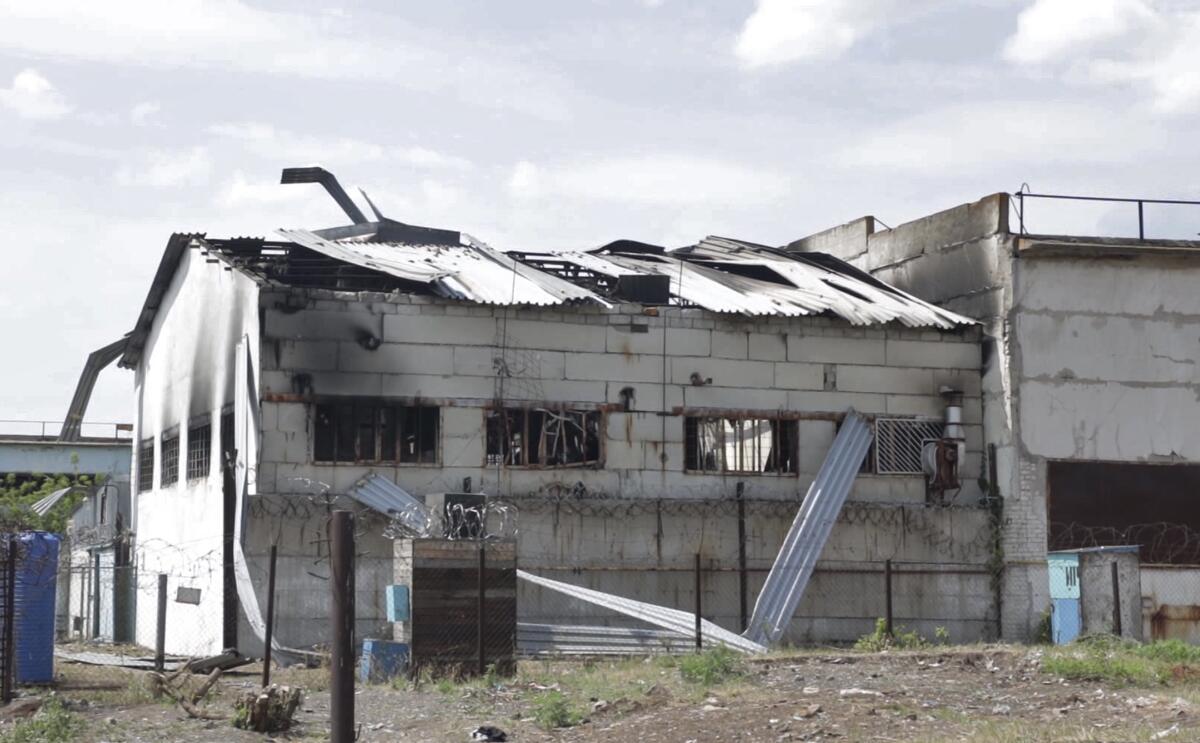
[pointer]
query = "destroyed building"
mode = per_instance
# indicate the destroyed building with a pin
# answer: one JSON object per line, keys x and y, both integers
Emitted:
{"x": 631, "y": 406}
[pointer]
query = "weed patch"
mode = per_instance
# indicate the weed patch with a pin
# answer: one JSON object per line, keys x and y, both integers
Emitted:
{"x": 553, "y": 710}
{"x": 52, "y": 724}
{"x": 710, "y": 667}
{"x": 1104, "y": 658}
{"x": 880, "y": 640}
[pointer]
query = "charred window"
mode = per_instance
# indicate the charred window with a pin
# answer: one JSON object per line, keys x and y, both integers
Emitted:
{"x": 199, "y": 451}
{"x": 170, "y": 459}
{"x": 539, "y": 437}
{"x": 741, "y": 445}
{"x": 145, "y": 465}
{"x": 373, "y": 431}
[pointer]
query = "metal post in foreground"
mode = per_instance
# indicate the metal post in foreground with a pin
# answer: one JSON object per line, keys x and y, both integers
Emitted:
{"x": 743, "y": 604}
{"x": 341, "y": 666}
{"x": 8, "y": 666}
{"x": 160, "y": 641}
{"x": 266, "y": 676}
{"x": 699, "y": 637}
{"x": 1116, "y": 581}
{"x": 480, "y": 612}
{"x": 887, "y": 597}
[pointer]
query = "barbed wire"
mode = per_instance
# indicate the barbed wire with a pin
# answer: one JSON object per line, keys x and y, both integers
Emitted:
{"x": 1161, "y": 542}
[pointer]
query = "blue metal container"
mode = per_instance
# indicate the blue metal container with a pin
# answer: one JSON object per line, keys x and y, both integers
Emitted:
{"x": 33, "y": 595}
{"x": 382, "y": 660}
{"x": 1066, "y": 620}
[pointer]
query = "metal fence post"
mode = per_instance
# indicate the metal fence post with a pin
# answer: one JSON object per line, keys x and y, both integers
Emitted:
{"x": 1116, "y": 590}
{"x": 699, "y": 637}
{"x": 160, "y": 637}
{"x": 887, "y": 597}
{"x": 341, "y": 667}
{"x": 9, "y": 662}
{"x": 266, "y": 674}
{"x": 480, "y": 611}
{"x": 743, "y": 604}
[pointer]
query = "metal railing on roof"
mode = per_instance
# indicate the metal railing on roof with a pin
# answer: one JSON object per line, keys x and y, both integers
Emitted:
{"x": 49, "y": 430}
{"x": 1021, "y": 195}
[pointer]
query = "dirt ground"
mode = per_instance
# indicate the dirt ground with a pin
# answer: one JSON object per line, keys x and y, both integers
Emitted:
{"x": 981, "y": 694}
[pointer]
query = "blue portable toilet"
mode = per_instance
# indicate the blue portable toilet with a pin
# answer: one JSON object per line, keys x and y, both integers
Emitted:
{"x": 33, "y": 597}
{"x": 1066, "y": 614}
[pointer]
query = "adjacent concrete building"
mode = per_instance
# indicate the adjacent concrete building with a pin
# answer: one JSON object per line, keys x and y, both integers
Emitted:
{"x": 1090, "y": 396}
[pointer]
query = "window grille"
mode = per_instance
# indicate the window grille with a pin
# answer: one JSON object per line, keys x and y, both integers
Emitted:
{"x": 741, "y": 445}
{"x": 199, "y": 452}
{"x": 145, "y": 465}
{"x": 375, "y": 431}
{"x": 540, "y": 437}
{"x": 899, "y": 441}
{"x": 170, "y": 460}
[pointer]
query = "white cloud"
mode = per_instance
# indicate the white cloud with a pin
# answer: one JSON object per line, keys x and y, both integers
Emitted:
{"x": 293, "y": 148}
{"x": 168, "y": 169}
{"x": 657, "y": 180}
{"x": 782, "y": 31}
{"x": 1154, "y": 47}
{"x": 962, "y": 138}
{"x": 142, "y": 114}
{"x": 32, "y": 96}
{"x": 232, "y": 35}
{"x": 1048, "y": 29}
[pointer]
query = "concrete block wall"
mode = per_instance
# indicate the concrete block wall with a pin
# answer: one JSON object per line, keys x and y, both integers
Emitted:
{"x": 447, "y": 354}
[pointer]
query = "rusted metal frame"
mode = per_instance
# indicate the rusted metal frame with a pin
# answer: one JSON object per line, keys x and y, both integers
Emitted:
{"x": 377, "y": 409}
{"x": 777, "y": 470}
{"x": 558, "y": 409}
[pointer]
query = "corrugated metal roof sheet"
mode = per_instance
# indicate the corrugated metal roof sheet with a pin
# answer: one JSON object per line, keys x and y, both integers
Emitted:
{"x": 785, "y": 584}
{"x": 717, "y": 274}
{"x": 472, "y": 271}
{"x": 386, "y": 497}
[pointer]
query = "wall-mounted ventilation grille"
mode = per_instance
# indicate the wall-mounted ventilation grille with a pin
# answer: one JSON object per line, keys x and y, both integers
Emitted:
{"x": 898, "y": 443}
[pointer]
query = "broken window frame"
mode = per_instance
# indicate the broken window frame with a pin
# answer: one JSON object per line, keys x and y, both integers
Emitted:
{"x": 199, "y": 450}
{"x": 145, "y": 465}
{"x": 357, "y": 430}
{"x": 169, "y": 467}
{"x": 532, "y": 444}
{"x": 715, "y": 461}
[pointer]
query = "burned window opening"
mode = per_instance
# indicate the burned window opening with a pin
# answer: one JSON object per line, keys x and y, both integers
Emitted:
{"x": 170, "y": 459}
{"x": 145, "y": 465}
{"x": 199, "y": 451}
{"x": 540, "y": 437}
{"x": 721, "y": 445}
{"x": 372, "y": 431}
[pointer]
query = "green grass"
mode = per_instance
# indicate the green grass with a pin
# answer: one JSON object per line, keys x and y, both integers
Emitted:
{"x": 552, "y": 709}
{"x": 711, "y": 667}
{"x": 53, "y": 723}
{"x": 1123, "y": 662}
{"x": 879, "y": 640}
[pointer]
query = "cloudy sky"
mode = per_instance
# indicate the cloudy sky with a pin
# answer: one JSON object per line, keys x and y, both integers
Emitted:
{"x": 552, "y": 124}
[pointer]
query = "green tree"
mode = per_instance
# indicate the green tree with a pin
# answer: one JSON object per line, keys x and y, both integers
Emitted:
{"x": 18, "y": 493}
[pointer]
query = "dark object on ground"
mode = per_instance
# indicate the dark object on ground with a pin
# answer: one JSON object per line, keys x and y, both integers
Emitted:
{"x": 268, "y": 710}
{"x": 489, "y": 734}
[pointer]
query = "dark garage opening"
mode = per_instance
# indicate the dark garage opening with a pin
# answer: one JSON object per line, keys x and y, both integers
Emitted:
{"x": 1155, "y": 506}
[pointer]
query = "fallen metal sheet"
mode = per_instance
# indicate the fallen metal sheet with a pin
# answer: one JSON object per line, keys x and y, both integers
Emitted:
{"x": 139, "y": 662}
{"x": 789, "y": 576}
{"x": 680, "y": 622}
{"x": 472, "y": 271}
{"x": 539, "y": 640}
{"x": 386, "y": 497}
{"x": 43, "y": 506}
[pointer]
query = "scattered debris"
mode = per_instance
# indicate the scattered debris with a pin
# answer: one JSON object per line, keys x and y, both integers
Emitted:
{"x": 267, "y": 710}
{"x": 489, "y": 734}
{"x": 856, "y": 692}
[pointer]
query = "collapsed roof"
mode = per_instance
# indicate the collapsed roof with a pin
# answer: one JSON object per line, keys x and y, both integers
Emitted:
{"x": 383, "y": 255}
